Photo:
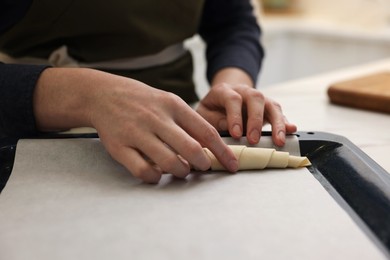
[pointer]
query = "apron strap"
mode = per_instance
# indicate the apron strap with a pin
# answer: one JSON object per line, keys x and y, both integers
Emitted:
{"x": 61, "y": 58}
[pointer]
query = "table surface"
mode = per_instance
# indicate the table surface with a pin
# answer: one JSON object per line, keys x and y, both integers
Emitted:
{"x": 305, "y": 103}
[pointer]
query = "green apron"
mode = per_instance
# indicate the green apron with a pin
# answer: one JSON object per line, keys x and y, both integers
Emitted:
{"x": 97, "y": 30}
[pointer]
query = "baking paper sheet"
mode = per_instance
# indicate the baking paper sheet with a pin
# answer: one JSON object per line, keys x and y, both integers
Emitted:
{"x": 67, "y": 199}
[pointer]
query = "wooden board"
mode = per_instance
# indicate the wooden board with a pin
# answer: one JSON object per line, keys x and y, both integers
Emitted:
{"x": 371, "y": 92}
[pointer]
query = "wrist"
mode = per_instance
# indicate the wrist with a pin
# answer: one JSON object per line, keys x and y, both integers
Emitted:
{"x": 62, "y": 99}
{"x": 233, "y": 76}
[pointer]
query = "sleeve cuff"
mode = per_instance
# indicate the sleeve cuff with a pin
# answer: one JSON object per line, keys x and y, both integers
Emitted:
{"x": 17, "y": 84}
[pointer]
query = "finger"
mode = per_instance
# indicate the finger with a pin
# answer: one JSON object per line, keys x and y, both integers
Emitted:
{"x": 137, "y": 165}
{"x": 225, "y": 97}
{"x": 233, "y": 106}
{"x": 290, "y": 128}
{"x": 164, "y": 157}
{"x": 276, "y": 118}
{"x": 215, "y": 118}
{"x": 185, "y": 146}
{"x": 207, "y": 135}
{"x": 255, "y": 106}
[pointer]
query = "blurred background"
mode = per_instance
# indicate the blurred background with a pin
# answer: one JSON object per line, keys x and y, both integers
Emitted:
{"x": 307, "y": 37}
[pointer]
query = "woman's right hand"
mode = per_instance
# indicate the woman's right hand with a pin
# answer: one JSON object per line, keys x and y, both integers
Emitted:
{"x": 147, "y": 130}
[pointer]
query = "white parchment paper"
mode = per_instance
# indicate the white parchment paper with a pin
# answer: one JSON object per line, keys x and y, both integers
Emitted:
{"x": 67, "y": 199}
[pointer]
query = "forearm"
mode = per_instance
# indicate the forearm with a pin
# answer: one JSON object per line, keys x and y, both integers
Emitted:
{"x": 232, "y": 35}
{"x": 63, "y": 96}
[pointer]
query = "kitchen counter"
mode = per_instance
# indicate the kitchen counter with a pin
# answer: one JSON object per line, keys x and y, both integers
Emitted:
{"x": 298, "y": 46}
{"x": 320, "y": 26}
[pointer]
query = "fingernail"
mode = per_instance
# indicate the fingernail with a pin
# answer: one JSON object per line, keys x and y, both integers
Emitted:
{"x": 236, "y": 130}
{"x": 255, "y": 136}
{"x": 184, "y": 161}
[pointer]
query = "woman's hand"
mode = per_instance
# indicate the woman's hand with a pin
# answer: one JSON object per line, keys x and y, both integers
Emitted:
{"x": 147, "y": 130}
{"x": 234, "y": 105}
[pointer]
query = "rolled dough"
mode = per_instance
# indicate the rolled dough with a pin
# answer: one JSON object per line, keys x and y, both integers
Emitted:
{"x": 254, "y": 158}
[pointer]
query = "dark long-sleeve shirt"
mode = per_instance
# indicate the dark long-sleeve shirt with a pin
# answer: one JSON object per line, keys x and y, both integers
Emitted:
{"x": 228, "y": 27}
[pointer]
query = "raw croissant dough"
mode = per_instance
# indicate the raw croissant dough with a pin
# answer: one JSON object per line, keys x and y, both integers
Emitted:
{"x": 253, "y": 158}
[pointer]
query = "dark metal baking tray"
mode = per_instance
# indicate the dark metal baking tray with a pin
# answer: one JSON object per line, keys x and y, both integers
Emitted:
{"x": 354, "y": 180}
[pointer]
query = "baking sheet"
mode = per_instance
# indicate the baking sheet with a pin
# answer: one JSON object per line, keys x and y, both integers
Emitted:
{"x": 67, "y": 199}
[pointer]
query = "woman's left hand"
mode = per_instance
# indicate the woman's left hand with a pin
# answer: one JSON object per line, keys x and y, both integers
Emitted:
{"x": 233, "y": 104}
